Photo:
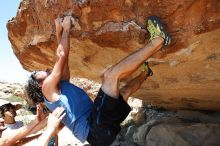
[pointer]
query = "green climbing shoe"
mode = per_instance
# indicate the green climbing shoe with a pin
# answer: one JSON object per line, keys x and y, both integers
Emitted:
{"x": 146, "y": 68}
{"x": 155, "y": 28}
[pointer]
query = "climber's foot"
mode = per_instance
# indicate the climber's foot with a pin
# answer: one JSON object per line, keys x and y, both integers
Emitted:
{"x": 146, "y": 68}
{"x": 156, "y": 29}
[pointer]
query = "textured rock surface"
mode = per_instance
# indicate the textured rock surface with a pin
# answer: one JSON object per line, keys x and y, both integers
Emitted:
{"x": 184, "y": 135}
{"x": 164, "y": 128}
{"x": 186, "y": 75}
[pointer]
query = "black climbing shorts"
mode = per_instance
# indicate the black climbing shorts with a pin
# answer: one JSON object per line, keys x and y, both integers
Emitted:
{"x": 105, "y": 119}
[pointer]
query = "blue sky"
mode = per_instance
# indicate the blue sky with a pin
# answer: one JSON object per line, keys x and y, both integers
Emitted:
{"x": 10, "y": 68}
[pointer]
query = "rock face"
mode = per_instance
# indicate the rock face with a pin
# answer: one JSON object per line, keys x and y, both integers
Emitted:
{"x": 184, "y": 135}
{"x": 159, "y": 127}
{"x": 186, "y": 75}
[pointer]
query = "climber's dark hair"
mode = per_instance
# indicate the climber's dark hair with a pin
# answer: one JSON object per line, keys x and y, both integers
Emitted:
{"x": 33, "y": 89}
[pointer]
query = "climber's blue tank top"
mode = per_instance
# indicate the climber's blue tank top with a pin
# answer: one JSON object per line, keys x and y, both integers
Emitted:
{"x": 77, "y": 106}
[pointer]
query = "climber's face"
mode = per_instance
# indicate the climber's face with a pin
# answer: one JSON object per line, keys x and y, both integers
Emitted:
{"x": 42, "y": 75}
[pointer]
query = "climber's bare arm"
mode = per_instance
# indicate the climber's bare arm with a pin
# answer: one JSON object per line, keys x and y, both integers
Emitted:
{"x": 59, "y": 30}
{"x": 50, "y": 85}
{"x": 66, "y": 72}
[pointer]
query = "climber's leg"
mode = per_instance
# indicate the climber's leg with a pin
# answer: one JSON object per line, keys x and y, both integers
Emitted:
{"x": 136, "y": 82}
{"x": 127, "y": 66}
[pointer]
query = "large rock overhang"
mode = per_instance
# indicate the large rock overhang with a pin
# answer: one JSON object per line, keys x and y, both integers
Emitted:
{"x": 186, "y": 75}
